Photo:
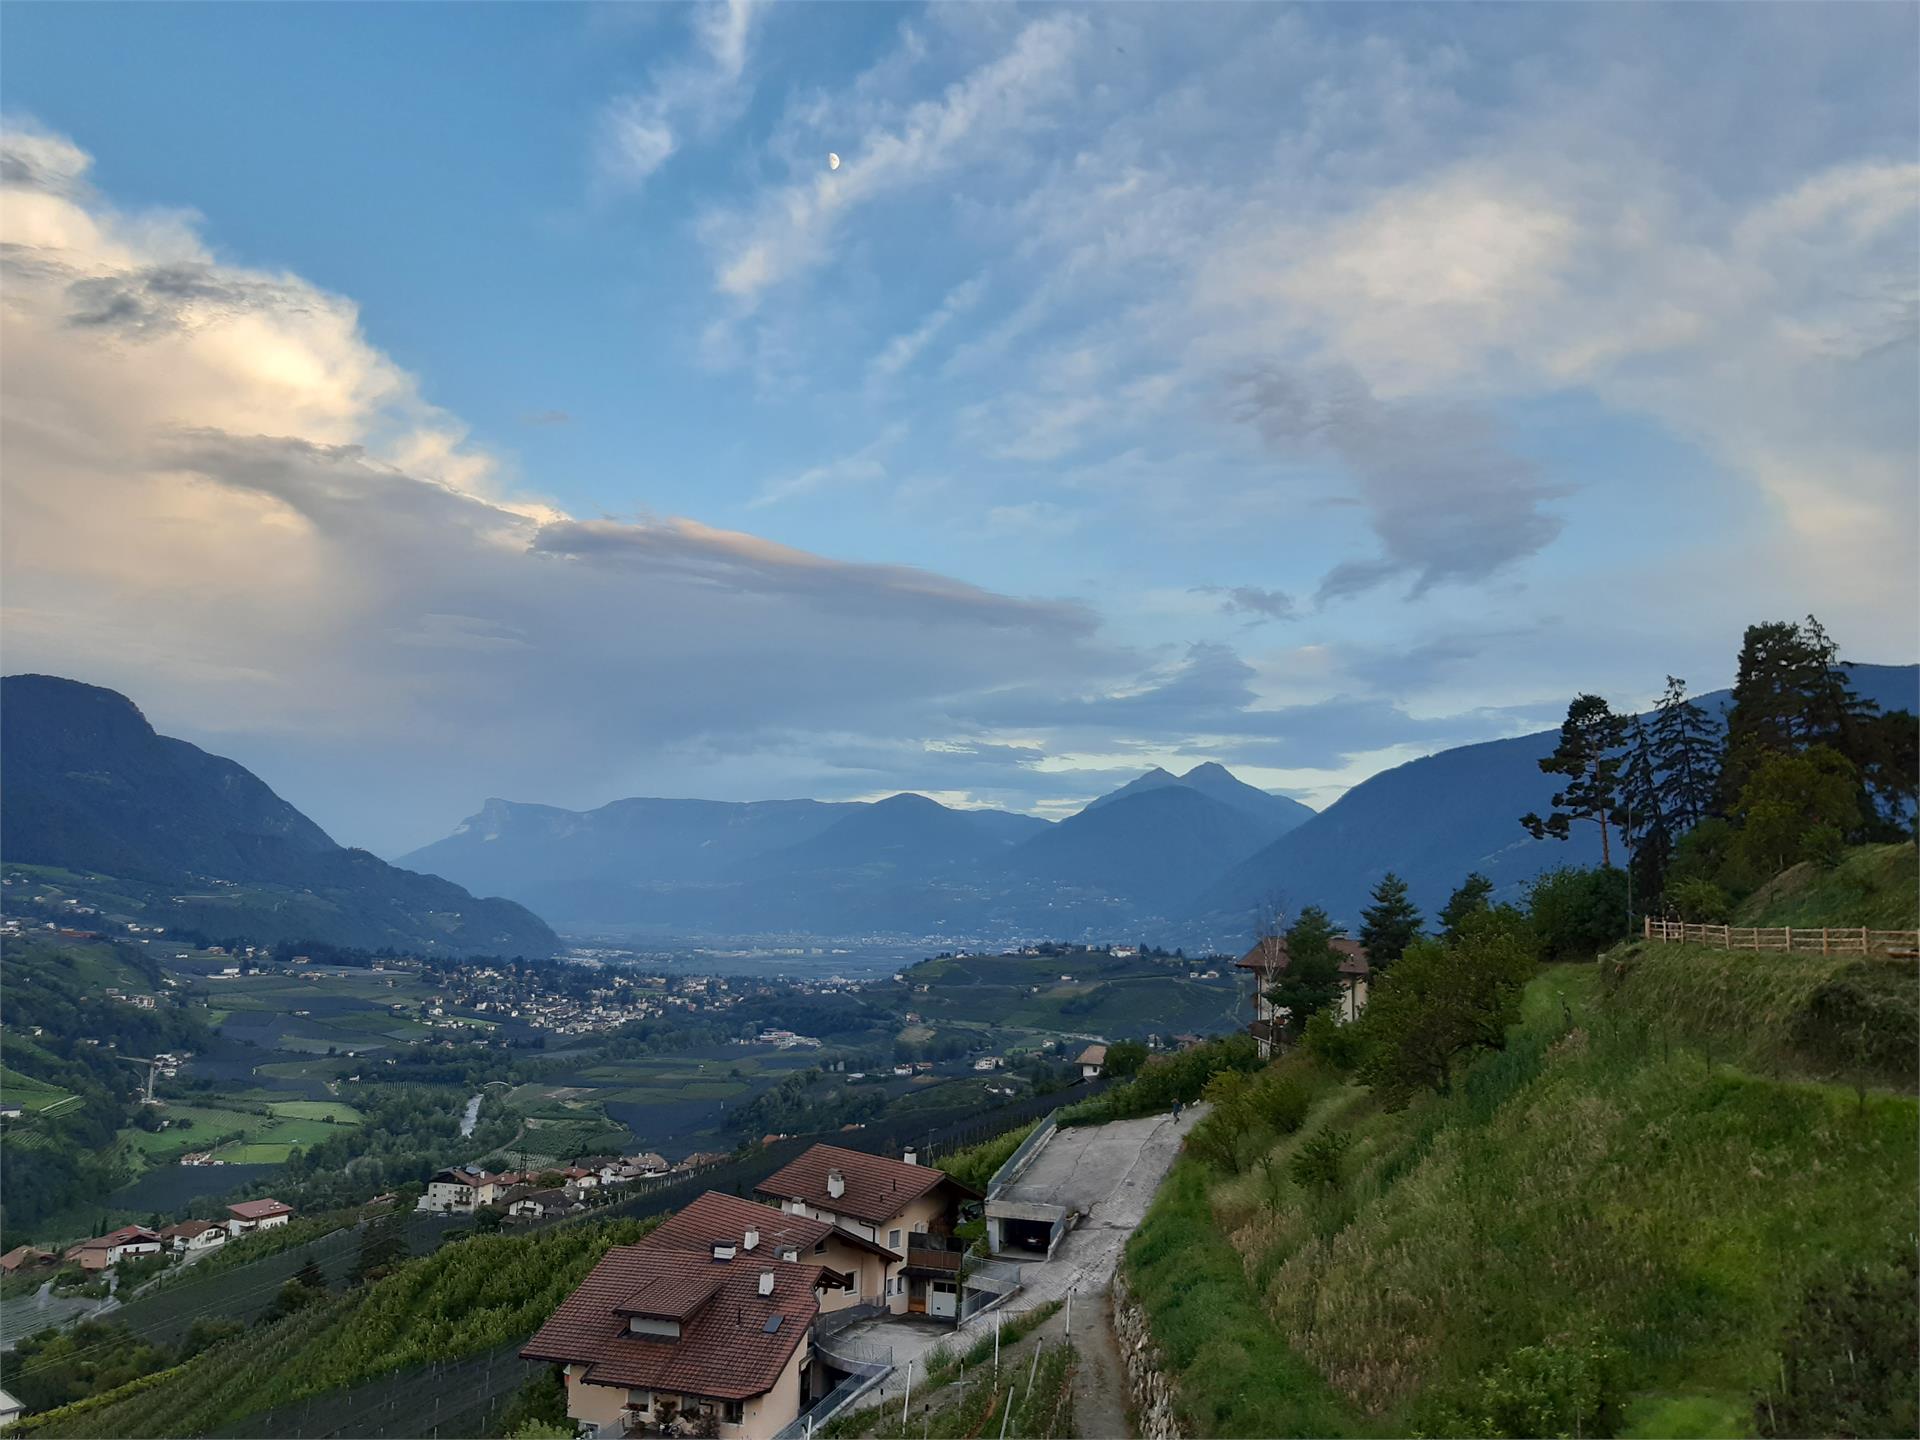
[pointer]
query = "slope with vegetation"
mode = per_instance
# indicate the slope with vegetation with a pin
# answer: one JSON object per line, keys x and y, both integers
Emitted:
{"x": 1619, "y": 1198}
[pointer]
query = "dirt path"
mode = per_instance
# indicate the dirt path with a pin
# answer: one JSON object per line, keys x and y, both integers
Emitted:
{"x": 1100, "y": 1381}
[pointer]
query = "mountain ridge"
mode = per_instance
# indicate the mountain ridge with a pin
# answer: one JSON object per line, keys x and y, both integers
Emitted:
{"x": 91, "y": 787}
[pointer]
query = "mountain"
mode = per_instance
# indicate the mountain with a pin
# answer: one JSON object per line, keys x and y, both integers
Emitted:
{"x": 1275, "y": 813}
{"x": 1157, "y": 847}
{"x": 905, "y": 834}
{"x": 1431, "y": 821}
{"x": 198, "y": 842}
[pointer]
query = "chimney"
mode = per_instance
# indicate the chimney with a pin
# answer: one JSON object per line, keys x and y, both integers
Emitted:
{"x": 912, "y": 1156}
{"x": 836, "y": 1184}
{"x": 766, "y": 1282}
{"x": 751, "y": 1239}
{"x": 723, "y": 1249}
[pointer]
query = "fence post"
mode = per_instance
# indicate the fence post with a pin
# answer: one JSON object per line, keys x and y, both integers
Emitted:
{"x": 1823, "y": 939}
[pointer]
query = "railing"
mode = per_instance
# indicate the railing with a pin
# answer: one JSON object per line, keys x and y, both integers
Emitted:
{"x": 827, "y": 1406}
{"x": 856, "y": 1357}
{"x": 998, "y": 1277}
{"x": 1801, "y": 939}
{"x": 1023, "y": 1157}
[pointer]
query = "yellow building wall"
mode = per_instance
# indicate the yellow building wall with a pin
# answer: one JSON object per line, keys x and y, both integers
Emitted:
{"x": 768, "y": 1414}
{"x": 593, "y": 1404}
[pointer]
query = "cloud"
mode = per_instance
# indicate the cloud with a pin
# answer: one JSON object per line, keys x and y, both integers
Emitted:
{"x": 1250, "y": 600}
{"x": 1447, "y": 501}
{"x": 861, "y": 467}
{"x": 638, "y": 132}
{"x": 220, "y": 498}
{"x": 791, "y": 229}
{"x": 903, "y": 350}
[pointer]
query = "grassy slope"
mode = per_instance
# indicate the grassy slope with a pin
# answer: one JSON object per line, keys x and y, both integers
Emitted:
{"x": 1877, "y": 886}
{"x": 1599, "y": 1181}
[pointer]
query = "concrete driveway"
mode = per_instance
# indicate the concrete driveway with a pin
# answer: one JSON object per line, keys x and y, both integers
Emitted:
{"x": 1108, "y": 1171}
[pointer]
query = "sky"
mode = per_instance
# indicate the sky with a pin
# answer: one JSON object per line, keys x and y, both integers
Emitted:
{"x": 428, "y": 403}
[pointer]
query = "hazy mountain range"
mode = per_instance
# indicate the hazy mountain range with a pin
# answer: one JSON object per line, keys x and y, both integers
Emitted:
{"x": 160, "y": 828}
{"x": 1192, "y": 859}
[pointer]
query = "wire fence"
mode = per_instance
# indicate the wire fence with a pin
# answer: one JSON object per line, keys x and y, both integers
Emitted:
{"x": 445, "y": 1399}
{"x": 1801, "y": 939}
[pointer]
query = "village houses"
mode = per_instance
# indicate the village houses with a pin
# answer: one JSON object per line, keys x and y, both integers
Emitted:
{"x": 251, "y": 1215}
{"x": 1267, "y": 961}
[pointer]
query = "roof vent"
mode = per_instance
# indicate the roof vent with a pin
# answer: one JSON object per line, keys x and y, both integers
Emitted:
{"x": 790, "y": 1252}
{"x": 912, "y": 1156}
{"x": 766, "y": 1282}
{"x": 723, "y": 1249}
{"x": 836, "y": 1184}
{"x": 751, "y": 1239}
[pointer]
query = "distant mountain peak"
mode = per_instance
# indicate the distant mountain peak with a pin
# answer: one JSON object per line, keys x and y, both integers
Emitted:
{"x": 1207, "y": 769}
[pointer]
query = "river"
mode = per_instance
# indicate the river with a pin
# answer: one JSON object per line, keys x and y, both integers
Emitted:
{"x": 472, "y": 1117}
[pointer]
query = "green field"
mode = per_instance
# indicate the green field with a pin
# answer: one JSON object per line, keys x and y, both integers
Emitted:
{"x": 28, "y": 1093}
{"x": 262, "y": 1135}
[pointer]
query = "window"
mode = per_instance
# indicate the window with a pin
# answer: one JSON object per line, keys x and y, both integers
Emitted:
{"x": 733, "y": 1411}
{"x": 821, "y": 1248}
{"x": 893, "y": 1239}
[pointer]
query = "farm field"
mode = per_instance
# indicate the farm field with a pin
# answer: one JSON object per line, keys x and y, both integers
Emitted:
{"x": 1081, "y": 994}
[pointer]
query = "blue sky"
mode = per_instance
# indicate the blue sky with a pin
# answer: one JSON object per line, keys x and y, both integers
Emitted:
{"x": 429, "y": 402}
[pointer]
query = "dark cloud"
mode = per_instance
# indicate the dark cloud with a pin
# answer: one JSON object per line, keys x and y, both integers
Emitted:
{"x": 167, "y": 297}
{"x": 1447, "y": 500}
{"x": 1250, "y": 600}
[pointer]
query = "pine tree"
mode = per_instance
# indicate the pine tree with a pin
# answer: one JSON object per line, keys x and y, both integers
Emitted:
{"x": 1589, "y": 738}
{"x": 1642, "y": 818}
{"x": 1390, "y": 924}
{"x": 1469, "y": 899}
{"x": 1686, "y": 757}
{"x": 1777, "y": 673}
{"x": 1311, "y": 981}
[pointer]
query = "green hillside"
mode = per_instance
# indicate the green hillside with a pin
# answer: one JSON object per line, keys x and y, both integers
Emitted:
{"x": 1877, "y": 886}
{"x": 1612, "y": 1226}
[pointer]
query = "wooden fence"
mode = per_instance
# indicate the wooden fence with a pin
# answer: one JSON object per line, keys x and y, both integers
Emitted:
{"x": 1806, "y": 939}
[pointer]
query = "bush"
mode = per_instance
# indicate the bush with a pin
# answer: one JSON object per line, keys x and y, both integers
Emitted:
{"x": 1823, "y": 845}
{"x": 1566, "y": 1389}
{"x": 1281, "y": 1102}
{"x": 1167, "y": 1078}
{"x": 1847, "y": 1363}
{"x": 1320, "y": 1160}
{"x": 1339, "y": 1045}
{"x": 1699, "y": 902}
{"x": 1578, "y": 913}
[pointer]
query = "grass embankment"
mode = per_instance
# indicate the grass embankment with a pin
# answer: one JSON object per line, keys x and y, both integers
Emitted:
{"x": 1600, "y": 1230}
{"x": 463, "y": 1299}
{"x": 1877, "y": 886}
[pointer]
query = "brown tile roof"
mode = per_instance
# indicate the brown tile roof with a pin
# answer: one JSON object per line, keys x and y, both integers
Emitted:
{"x": 877, "y": 1188}
{"x": 1093, "y": 1055}
{"x": 727, "y": 1348}
{"x": 1271, "y": 954}
{"x": 258, "y": 1210}
{"x": 670, "y": 1294}
{"x": 187, "y": 1229}
{"x": 714, "y": 1216}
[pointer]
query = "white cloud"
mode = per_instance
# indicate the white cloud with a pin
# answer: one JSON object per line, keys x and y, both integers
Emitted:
{"x": 640, "y": 131}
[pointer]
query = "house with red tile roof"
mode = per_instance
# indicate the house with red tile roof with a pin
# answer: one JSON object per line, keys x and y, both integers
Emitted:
{"x": 192, "y": 1236}
{"x": 251, "y": 1215}
{"x": 122, "y": 1244}
{"x": 1268, "y": 960}
{"x": 909, "y": 1208}
{"x": 661, "y": 1339}
{"x": 25, "y": 1257}
{"x": 717, "y": 1223}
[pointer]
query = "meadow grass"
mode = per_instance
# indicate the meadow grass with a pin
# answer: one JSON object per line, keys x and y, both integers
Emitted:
{"x": 1873, "y": 885}
{"x": 1591, "y": 1185}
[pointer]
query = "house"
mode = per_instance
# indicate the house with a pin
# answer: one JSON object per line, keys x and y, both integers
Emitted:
{"x": 1267, "y": 961}
{"x": 580, "y": 1178}
{"x": 25, "y": 1257}
{"x": 909, "y": 1208}
{"x": 525, "y": 1204}
{"x": 191, "y": 1237}
{"x": 125, "y": 1243}
{"x": 251, "y": 1215}
{"x": 659, "y": 1340}
{"x": 988, "y": 1062}
{"x": 1092, "y": 1061}
{"x": 10, "y": 1409}
{"x": 728, "y": 1228}
{"x": 460, "y": 1190}
{"x": 648, "y": 1163}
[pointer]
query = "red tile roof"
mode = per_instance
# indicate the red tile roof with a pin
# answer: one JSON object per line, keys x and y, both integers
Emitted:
{"x": 672, "y": 1294}
{"x": 187, "y": 1229}
{"x": 725, "y": 1349}
{"x": 1271, "y": 954}
{"x": 258, "y": 1210}
{"x": 877, "y": 1188}
{"x": 715, "y": 1216}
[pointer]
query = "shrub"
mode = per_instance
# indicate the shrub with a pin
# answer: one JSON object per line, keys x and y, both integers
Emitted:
{"x": 1699, "y": 902}
{"x": 1281, "y": 1102}
{"x": 1320, "y": 1160}
{"x": 1823, "y": 845}
{"x": 1578, "y": 913}
{"x": 1847, "y": 1362}
{"x": 1340, "y": 1046}
{"x": 1565, "y": 1389}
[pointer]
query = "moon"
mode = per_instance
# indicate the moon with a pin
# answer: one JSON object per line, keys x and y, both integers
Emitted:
{"x": 833, "y": 162}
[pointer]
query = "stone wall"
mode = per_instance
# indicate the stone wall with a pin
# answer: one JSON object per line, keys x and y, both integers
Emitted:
{"x": 1150, "y": 1388}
